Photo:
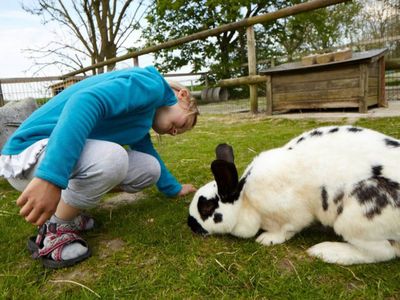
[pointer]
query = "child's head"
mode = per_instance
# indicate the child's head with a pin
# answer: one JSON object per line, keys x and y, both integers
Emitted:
{"x": 180, "y": 117}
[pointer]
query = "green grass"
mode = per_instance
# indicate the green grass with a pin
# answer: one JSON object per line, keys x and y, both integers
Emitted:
{"x": 145, "y": 249}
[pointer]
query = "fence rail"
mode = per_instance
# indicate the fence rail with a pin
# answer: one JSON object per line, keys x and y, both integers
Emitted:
{"x": 19, "y": 88}
{"x": 41, "y": 87}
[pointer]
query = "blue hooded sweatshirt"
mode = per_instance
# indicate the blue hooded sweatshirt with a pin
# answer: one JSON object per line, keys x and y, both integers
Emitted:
{"x": 118, "y": 106}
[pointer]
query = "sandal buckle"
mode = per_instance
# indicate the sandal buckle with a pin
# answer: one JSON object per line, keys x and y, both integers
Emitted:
{"x": 52, "y": 227}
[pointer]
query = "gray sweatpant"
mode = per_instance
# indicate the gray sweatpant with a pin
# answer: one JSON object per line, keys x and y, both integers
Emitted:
{"x": 102, "y": 166}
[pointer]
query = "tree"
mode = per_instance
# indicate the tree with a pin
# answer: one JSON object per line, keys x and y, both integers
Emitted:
{"x": 319, "y": 30}
{"x": 331, "y": 26}
{"x": 224, "y": 54}
{"x": 98, "y": 28}
{"x": 380, "y": 26}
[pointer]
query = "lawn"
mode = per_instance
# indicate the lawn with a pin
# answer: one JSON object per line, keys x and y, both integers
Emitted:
{"x": 145, "y": 249}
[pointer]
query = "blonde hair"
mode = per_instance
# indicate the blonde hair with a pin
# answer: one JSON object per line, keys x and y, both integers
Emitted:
{"x": 192, "y": 107}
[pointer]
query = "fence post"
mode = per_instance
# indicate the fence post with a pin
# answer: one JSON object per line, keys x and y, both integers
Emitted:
{"x": 251, "y": 56}
{"x": 136, "y": 61}
{"x": 268, "y": 96}
{"x": 1, "y": 96}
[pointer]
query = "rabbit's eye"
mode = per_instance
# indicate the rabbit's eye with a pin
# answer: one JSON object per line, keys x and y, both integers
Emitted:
{"x": 217, "y": 218}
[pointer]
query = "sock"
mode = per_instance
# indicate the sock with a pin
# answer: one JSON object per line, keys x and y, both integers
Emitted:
{"x": 89, "y": 222}
{"x": 76, "y": 221}
{"x": 72, "y": 250}
{"x": 55, "y": 219}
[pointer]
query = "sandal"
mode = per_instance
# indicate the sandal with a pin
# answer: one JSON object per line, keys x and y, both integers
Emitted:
{"x": 84, "y": 222}
{"x": 59, "y": 235}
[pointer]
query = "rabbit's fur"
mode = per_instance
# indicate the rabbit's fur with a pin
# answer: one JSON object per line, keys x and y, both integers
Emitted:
{"x": 345, "y": 177}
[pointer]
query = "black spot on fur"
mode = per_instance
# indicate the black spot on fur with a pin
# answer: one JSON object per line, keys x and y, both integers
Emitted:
{"x": 195, "y": 226}
{"x": 336, "y": 129}
{"x": 290, "y": 148}
{"x": 371, "y": 213}
{"x": 316, "y": 133}
{"x": 340, "y": 209}
{"x": 206, "y": 207}
{"x": 377, "y": 171}
{"x": 300, "y": 140}
{"x": 324, "y": 196}
{"x": 390, "y": 187}
{"x": 338, "y": 197}
{"x": 217, "y": 218}
{"x": 391, "y": 143}
{"x": 354, "y": 129}
{"x": 376, "y": 193}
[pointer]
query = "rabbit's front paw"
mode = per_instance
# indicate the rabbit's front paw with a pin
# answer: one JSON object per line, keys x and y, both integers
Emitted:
{"x": 271, "y": 238}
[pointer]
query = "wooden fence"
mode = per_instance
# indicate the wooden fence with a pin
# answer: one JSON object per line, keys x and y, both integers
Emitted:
{"x": 247, "y": 23}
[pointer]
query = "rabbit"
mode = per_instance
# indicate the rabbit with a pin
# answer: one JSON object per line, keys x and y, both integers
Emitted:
{"x": 345, "y": 177}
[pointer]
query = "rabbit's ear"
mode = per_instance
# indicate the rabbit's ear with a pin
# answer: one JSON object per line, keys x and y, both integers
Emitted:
{"x": 224, "y": 152}
{"x": 226, "y": 176}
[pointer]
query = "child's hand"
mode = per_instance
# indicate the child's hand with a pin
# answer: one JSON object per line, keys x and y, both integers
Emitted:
{"x": 39, "y": 201}
{"x": 187, "y": 189}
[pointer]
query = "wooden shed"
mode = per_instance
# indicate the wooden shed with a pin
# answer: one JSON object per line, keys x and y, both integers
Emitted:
{"x": 358, "y": 82}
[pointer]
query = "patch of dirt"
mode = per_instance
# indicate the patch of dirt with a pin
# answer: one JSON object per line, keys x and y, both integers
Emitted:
{"x": 120, "y": 199}
{"x": 77, "y": 273}
{"x": 70, "y": 278}
{"x": 286, "y": 266}
{"x": 108, "y": 248}
{"x": 82, "y": 274}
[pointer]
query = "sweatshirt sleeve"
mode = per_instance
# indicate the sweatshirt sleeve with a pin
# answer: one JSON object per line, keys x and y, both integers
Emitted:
{"x": 84, "y": 109}
{"x": 167, "y": 183}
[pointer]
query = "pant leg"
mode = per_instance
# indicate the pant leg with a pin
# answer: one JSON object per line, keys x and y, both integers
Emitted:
{"x": 144, "y": 170}
{"x": 101, "y": 166}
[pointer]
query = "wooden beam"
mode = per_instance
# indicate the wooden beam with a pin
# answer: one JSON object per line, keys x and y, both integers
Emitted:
{"x": 1, "y": 97}
{"x": 382, "y": 101}
{"x": 363, "y": 105}
{"x": 254, "y": 79}
{"x": 252, "y": 61}
{"x": 268, "y": 95}
{"x": 36, "y": 79}
{"x": 282, "y": 13}
{"x": 136, "y": 61}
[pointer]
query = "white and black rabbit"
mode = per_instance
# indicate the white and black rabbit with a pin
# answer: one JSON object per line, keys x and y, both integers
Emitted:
{"x": 345, "y": 177}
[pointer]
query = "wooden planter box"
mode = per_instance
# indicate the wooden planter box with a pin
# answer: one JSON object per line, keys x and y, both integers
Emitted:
{"x": 358, "y": 82}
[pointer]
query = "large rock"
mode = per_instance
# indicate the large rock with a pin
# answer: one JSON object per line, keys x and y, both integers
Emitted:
{"x": 12, "y": 115}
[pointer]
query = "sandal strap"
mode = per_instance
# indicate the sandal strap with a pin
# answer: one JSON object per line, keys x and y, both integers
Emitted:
{"x": 81, "y": 221}
{"x": 58, "y": 236}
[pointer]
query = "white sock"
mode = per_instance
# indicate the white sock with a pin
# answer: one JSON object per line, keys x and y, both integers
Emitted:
{"x": 89, "y": 225}
{"x": 69, "y": 251}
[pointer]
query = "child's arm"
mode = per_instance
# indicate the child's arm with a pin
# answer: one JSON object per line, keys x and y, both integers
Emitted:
{"x": 167, "y": 183}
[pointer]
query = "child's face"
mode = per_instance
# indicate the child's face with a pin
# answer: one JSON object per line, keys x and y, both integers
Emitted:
{"x": 174, "y": 119}
{"x": 171, "y": 120}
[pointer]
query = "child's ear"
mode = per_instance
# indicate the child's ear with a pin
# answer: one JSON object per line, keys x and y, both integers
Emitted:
{"x": 183, "y": 94}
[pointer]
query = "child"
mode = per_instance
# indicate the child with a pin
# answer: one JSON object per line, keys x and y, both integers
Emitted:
{"x": 70, "y": 152}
